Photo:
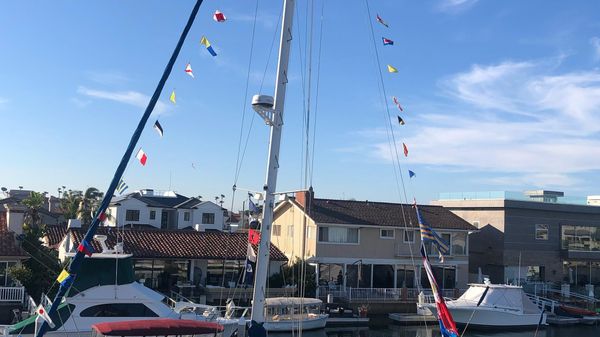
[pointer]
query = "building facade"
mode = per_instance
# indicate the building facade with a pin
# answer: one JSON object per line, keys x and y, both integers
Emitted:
{"x": 165, "y": 210}
{"x": 531, "y": 236}
{"x": 365, "y": 244}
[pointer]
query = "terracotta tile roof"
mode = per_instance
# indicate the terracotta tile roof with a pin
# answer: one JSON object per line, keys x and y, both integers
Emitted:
{"x": 383, "y": 214}
{"x": 54, "y": 234}
{"x": 184, "y": 244}
{"x": 9, "y": 246}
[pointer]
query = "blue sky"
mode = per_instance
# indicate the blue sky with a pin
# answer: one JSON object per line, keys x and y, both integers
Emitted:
{"x": 498, "y": 95}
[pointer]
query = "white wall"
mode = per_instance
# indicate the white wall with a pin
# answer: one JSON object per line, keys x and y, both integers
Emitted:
{"x": 208, "y": 207}
{"x": 14, "y": 220}
{"x": 118, "y": 213}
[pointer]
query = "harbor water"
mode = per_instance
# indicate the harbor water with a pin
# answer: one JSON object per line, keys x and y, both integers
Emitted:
{"x": 421, "y": 331}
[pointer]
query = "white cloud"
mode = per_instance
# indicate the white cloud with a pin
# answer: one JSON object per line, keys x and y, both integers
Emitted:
{"x": 517, "y": 120}
{"x": 127, "y": 97}
{"x": 455, "y": 6}
{"x": 595, "y": 42}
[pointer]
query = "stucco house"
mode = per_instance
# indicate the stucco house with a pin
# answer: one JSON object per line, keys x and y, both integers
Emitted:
{"x": 164, "y": 210}
{"x": 367, "y": 244}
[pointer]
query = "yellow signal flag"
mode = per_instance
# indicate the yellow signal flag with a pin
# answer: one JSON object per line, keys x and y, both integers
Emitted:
{"x": 62, "y": 276}
{"x": 172, "y": 98}
{"x": 392, "y": 69}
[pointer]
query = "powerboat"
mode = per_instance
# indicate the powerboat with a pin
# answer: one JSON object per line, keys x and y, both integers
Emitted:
{"x": 106, "y": 291}
{"x": 487, "y": 305}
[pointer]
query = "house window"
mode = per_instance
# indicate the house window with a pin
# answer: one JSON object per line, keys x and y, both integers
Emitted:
{"x": 446, "y": 237}
{"x": 338, "y": 234}
{"x": 5, "y": 280}
{"x": 152, "y": 215}
{"x": 186, "y": 216}
{"x": 409, "y": 236}
{"x": 132, "y": 215}
{"x": 276, "y": 230}
{"x": 541, "y": 232}
{"x": 290, "y": 230}
{"x": 208, "y": 218}
{"x": 386, "y": 233}
{"x": 459, "y": 243}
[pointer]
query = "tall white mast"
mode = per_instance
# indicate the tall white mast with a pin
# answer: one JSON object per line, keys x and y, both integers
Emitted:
{"x": 272, "y": 112}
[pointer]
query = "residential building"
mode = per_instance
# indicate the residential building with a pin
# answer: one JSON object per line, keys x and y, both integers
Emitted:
{"x": 12, "y": 294}
{"x": 12, "y": 211}
{"x": 537, "y": 235}
{"x": 206, "y": 265}
{"x": 367, "y": 244}
{"x": 164, "y": 210}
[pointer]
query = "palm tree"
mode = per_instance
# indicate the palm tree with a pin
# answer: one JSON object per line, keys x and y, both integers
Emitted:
{"x": 33, "y": 203}
{"x": 69, "y": 203}
{"x": 89, "y": 204}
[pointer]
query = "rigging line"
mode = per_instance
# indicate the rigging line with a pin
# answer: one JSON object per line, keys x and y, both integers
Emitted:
{"x": 78, "y": 258}
{"x": 309, "y": 66}
{"x": 312, "y": 163}
{"x": 302, "y": 69}
{"x": 393, "y": 137}
{"x": 245, "y": 99}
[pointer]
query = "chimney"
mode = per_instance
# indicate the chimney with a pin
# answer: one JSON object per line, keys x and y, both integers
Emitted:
{"x": 305, "y": 198}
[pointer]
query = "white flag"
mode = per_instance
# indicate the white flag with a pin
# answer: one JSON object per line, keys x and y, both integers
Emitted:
{"x": 251, "y": 254}
{"x": 188, "y": 70}
{"x": 44, "y": 315}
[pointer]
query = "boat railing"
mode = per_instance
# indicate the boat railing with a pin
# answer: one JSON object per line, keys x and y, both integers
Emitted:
{"x": 544, "y": 288}
{"x": 544, "y": 303}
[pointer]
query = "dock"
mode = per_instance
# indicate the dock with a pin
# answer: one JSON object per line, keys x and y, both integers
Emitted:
{"x": 347, "y": 321}
{"x": 566, "y": 321}
{"x": 411, "y": 319}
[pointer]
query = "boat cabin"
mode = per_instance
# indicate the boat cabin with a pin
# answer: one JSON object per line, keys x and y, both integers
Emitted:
{"x": 278, "y": 308}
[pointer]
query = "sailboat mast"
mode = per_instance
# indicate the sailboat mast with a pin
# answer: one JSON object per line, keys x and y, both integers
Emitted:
{"x": 262, "y": 261}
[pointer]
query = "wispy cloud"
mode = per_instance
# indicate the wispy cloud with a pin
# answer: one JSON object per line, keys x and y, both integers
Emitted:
{"x": 595, "y": 42}
{"x": 133, "y": 98}
{"x": 107, "y": 77}
{"x": 455, "y": 6}
{"x": 518, "y": 120}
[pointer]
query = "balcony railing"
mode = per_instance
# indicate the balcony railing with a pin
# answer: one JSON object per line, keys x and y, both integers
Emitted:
{"x": 382, "y": 294}
{"x": 12, "y": 294}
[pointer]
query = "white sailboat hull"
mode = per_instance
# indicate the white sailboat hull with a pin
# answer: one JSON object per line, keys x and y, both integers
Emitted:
{"x": 489, "y": 317}
{"x": 307, "y": 323}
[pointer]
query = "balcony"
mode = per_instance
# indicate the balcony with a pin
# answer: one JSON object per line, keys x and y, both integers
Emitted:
{"x": 12, "y": 294}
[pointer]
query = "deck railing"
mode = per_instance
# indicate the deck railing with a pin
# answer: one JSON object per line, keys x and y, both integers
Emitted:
{"x": 12, "y": 294}
{"x": 381, "y": 294}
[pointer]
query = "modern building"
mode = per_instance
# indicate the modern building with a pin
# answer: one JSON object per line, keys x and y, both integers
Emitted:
{"x": 536, "y": 235}
{"x": 367, "y": 244}
{"x": 165, "y": 210}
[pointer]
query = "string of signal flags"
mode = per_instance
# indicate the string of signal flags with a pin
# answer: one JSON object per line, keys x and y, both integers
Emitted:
{"x": 141, "y": 155}
{"x": 391, "y": 69}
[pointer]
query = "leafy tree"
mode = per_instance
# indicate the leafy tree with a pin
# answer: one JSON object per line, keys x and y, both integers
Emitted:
{"x": 89, "y": 203}
{"x": 38, "y": 272}
{"x": 291, "y": 273}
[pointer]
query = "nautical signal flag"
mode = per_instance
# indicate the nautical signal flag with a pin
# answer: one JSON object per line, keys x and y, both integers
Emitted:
{"x": 86, "y": 248}
{"x": 387, "y": 42}
{"x": 188, "y": 70}
{"x": 205, "y": 43}
{"x": 405, "y": 149}
{"x": 43, "y": 314}
{"x": 122, "y": 186}
{"x": 64, "y": 278}
{"x": 172, "y": 97}
{"x": 142, "y": 157}
{"x": 158, "y": 128}
{"x": 219, "y": 17}
{"x": 400, "y": 120}
{"x": 392, "y": 69}
{"x": 252, "y": 206}
{"x": 397, "y": 103}
{"x": 411, "y": 174}
{"x": 380, "y": 20}
{"x": 253, "y": 236}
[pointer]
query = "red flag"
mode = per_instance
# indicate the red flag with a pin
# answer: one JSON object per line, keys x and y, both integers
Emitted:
{"x": 380, "y": 20}
{"x": 219, "y": 17}
{"x": 405, "y": 150}
{"x": 253, "y": 236}
{"x": 142, "y": 157}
